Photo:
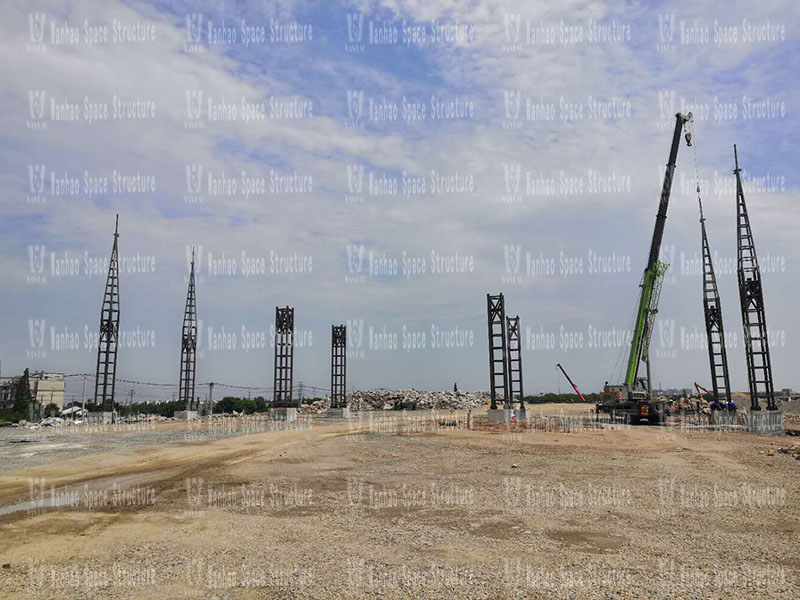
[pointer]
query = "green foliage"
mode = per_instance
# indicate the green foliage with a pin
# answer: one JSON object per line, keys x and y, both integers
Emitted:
{"x": 52, "y": 410}
{"x": 22, "y": 394}
{"x": 229, "y": 404}
{"x": 164, "y": 409}
{"x": 561, "y": 398}
{"x": 9, "y": 416}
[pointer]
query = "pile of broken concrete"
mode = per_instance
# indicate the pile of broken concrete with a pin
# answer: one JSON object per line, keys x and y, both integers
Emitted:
{"x": 408, "y": 399}
{"x": 419, "y": 399}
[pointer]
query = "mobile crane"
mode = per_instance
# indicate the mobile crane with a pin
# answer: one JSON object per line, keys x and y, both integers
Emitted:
{"x": 632, "y": 399}
{"x": 572, "y": 383}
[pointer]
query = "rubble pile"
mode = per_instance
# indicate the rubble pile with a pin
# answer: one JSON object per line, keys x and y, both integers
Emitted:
{"x": 316, "y": 407}
{"x": 389, "y": 399}
{"x": 399, "y": 399}
{"x": 690, "y": 404}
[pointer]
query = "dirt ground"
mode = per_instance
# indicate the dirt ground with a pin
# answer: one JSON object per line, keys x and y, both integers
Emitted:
{"x": 404, "y": 506}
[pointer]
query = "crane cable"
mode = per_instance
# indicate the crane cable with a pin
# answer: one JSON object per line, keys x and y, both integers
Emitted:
{"x": 696, "y": 173}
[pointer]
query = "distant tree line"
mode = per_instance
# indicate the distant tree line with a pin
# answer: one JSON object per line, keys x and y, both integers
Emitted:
{"x": 561, "y": 398}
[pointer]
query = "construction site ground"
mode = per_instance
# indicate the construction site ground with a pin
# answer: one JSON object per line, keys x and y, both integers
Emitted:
{"x": 398, "y": 505}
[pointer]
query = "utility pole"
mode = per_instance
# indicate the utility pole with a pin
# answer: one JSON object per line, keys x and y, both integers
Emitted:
{"x": 211, "y": 396}
{"x": 83, "y": 398}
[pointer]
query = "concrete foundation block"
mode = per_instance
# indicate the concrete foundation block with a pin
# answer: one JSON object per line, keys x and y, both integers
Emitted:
{"x": 724, "y": 419}
{"x": 283, "y": 414}
{"x": 338, "y": 413}
{"x": 766, "y": 421}
{"x": 185, "y": 415}
{"x": 103, "y": 417}
{"x": 520, "y": 414}
{"x": 500, "y": 415}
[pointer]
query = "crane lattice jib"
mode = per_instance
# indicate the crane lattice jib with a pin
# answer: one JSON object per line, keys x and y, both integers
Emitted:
{"x": 658, "y": 283}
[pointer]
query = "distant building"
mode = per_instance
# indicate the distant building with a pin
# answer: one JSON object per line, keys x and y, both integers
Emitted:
{"x": 7, "y": 393}
{"x": 46, "y": 388}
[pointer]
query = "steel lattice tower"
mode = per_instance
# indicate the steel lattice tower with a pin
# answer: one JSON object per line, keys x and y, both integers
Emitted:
{"x": 751, "y": 298}
{"x": 189, "y": 343}
{"x": 498, "y": 377}
{"x": 515, "y": 361}
{"x": 715, "y": 332}
{"x": 338, "y": 366}
{"x": 105, "y": 378}
{"x": 284, "y": 356}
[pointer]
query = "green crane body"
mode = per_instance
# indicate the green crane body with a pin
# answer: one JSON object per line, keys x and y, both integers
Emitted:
{"x": 654, "y": 272}
{"x": 630, "y": 398}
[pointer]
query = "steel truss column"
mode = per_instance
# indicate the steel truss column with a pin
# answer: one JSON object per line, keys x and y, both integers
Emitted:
{"x": 751, "y": 298}
{"x": 105, "y": 378}
{"x": 514, "y": 361}
{"x": 498, "y": 376}
{"x": 338, "y": 366}
{"x": 715, "y": 331}
{"x": 188, "y": 344}
{"x": 284, "y": 356}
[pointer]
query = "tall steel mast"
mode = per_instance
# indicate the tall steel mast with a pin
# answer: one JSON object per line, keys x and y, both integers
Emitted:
{"x": 715, "y": 332}
{"x": 188, "y": 343}
{"x": 751, "y": 298}
{"x": 105, "y": 377}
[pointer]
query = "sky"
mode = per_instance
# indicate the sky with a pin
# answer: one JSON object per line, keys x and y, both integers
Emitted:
{"x": 385, "y": 165}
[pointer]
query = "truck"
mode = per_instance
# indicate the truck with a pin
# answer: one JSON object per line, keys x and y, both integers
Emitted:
{"x": 632, "y": 400}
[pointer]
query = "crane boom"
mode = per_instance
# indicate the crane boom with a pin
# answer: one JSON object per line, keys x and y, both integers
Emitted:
{"x": 572, "y": 383}
{"x": 632, "y": 399}
{"x": 654, "y": 271}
